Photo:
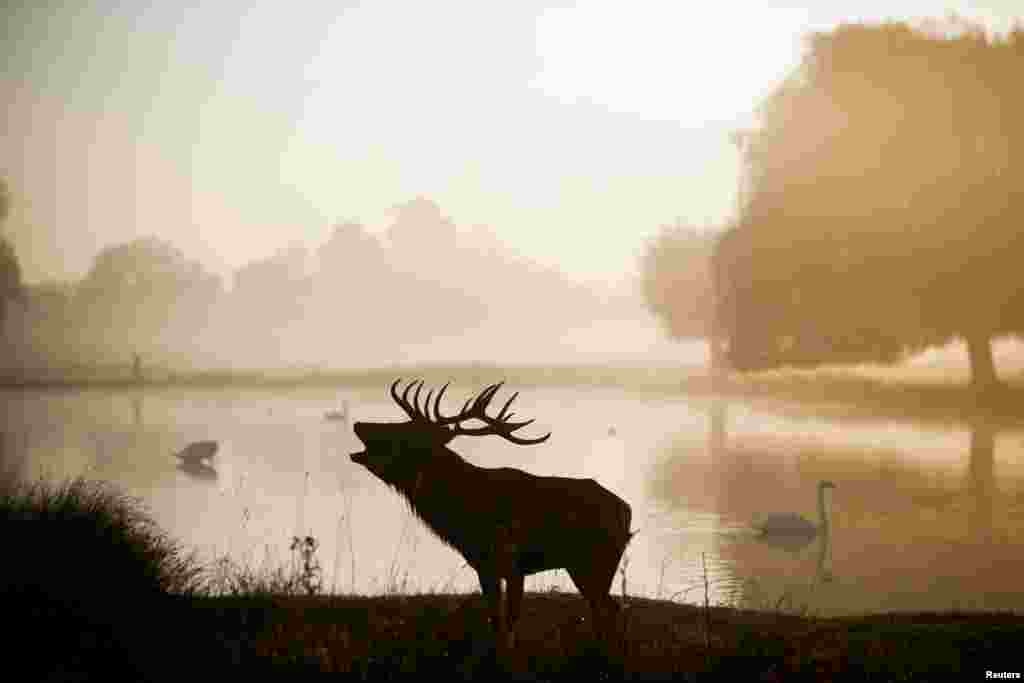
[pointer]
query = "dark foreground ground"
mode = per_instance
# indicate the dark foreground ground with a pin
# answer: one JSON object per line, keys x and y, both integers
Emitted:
{"x": 412, "y": 637}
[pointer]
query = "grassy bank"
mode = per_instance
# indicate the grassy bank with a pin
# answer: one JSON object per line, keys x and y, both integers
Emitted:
{"x": 91, "y": 582}
{"x": 374, "y": 638}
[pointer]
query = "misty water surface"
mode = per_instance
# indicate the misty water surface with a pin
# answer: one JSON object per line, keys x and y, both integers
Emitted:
{"x": 923, "y": 518}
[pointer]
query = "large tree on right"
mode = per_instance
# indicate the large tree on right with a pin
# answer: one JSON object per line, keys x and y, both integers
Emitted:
{"x": 886, "y": 211}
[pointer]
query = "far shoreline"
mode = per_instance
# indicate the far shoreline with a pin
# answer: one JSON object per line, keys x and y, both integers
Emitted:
{"x": 888, "y": 393}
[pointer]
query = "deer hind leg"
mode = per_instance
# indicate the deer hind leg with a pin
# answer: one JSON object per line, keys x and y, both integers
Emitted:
{"x": 515, "y": 604}
{"x": 510, "y": 595}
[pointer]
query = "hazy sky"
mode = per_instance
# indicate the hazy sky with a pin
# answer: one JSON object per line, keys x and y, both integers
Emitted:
{"x": 234, "y": 128}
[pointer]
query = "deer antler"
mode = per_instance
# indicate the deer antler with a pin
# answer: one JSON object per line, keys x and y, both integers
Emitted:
{"x": 474, "y": 408}
{"x": 500, "y": 425}
{"x": 413, "y": 410}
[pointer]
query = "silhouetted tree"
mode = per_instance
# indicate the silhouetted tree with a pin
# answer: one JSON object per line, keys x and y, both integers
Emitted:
{"x": 274, "y": 289}
{"x": 421, "y": 232}
{"x": 885, "y": 213}
{"x": 10, "y": 277}
{"x": 510, "y": 285}
{"x": 350, "y": 251}
{"x": 270, "y": 303}
{"x": 351, "y": 261}
{"x": 140, "y": 289}
{"x": 5, "y": 200}
{"x": 677, "y": 282}
{"x": 427, "y": 271}
{"x": 11, "y": 287}
{"x": 43, "y": 338}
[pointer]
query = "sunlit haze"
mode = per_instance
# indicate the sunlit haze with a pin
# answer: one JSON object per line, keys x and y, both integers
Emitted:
{"x": 232, "y": 130}
{"x": 729, "y": 294}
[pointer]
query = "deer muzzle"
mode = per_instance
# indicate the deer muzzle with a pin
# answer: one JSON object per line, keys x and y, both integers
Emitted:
{"x": 361, "y": 429}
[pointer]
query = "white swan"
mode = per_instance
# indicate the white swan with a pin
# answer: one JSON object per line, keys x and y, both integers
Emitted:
{"x": 791, "y": 526}
{"x": 338, "y": 415}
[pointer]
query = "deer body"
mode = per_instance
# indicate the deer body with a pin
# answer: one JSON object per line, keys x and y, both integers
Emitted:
{"x": 506, "y": 523}
{"x": 544, "y": 536}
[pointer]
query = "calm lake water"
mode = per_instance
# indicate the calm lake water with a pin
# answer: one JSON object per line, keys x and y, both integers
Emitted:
{"x": 922, "y": 517}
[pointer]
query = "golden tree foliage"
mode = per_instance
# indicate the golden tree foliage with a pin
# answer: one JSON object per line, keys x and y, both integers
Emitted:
{"x": 887, "y": 201}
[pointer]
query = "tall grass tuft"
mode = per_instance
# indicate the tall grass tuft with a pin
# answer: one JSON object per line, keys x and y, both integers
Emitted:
{"x": 226, "y": 577}
{"x": 86, "y": 541}
{"x": 89, "y": 577}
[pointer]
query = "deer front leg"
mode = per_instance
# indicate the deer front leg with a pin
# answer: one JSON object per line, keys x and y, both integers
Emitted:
{"x": 504, "y": 600}
{"x": 505, "y": 551}
{"x": 490, "y": 585}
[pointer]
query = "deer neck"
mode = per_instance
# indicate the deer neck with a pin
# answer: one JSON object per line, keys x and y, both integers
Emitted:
{"x": 421, "y": 484}
{"x": 429, "y": 495}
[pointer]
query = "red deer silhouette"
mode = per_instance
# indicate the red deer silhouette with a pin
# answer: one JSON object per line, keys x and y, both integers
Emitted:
{"x": 505, "y": 522}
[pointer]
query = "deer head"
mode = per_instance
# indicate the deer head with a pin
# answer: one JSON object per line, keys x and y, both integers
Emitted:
{"x": 394, "y": 447}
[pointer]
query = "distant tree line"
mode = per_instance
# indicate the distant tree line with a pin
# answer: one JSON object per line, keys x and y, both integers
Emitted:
{"x": 885, "y": 211}
{"x": 356, "y": 294}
